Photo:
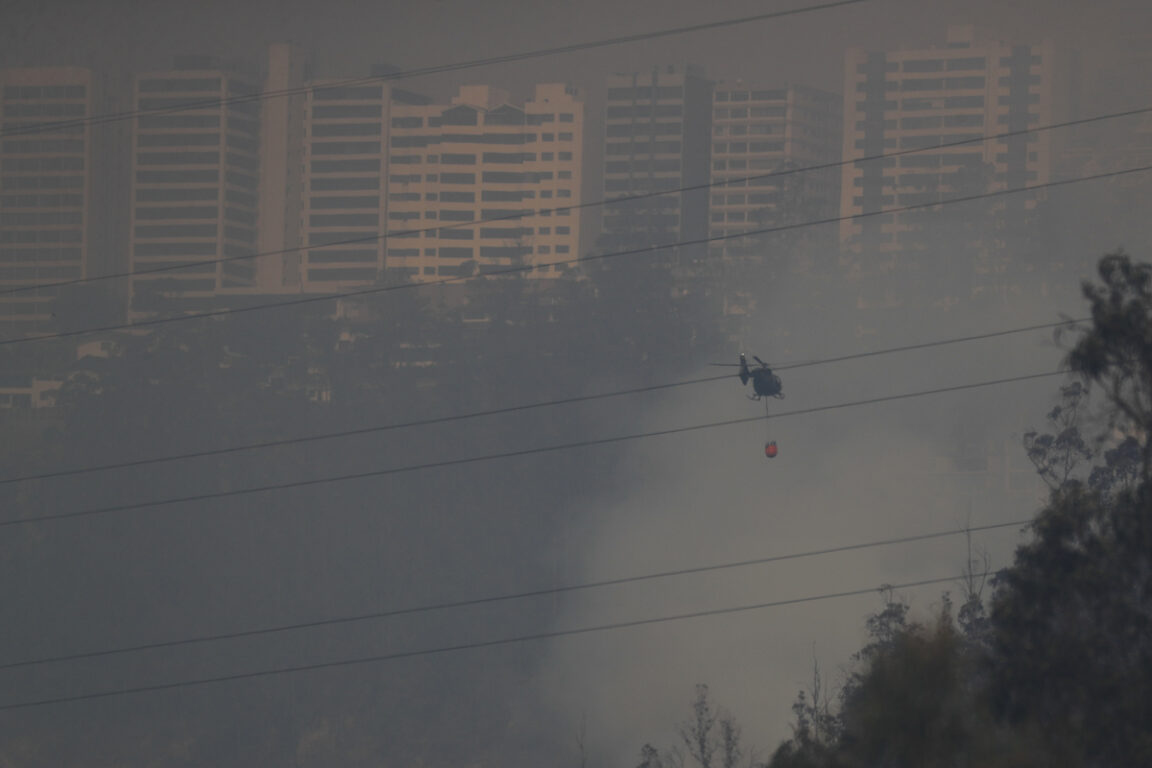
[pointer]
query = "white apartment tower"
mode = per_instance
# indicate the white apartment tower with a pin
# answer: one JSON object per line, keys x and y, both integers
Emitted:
{"x": 484, "y": 184}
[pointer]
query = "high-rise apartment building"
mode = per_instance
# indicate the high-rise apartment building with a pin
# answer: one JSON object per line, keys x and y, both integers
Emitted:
{"x": 656, "y": 143}
{"x": 921, "y": 98}
{"x": 762, "y": 138}
{"x": 345, "y": 157}
{"x": 280, "y": 192}
{"x": 46, "y": 162}
{"x": 195, "y": 166}
{"x": 758, "y": 133}
{"x": 484, "y": 184}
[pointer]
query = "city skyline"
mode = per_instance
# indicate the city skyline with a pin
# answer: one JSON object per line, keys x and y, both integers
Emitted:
{"x": 278, "y": 187}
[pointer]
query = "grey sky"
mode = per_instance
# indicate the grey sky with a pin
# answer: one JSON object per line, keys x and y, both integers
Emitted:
{"x": 348, "y": 37}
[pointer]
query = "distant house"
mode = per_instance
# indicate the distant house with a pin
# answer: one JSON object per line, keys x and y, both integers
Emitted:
{"x": 28, "y": 393}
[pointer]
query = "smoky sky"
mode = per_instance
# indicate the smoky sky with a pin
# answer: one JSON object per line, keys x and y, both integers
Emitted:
{"x": 668, "y": 503}
{"x": 347, "y": 38}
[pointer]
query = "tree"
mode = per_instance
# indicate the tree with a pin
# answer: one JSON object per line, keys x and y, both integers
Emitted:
{"x": 710, "y": 737}
{"x": 1057, "y": 454}
{"x": 818, "y": 733}
{"x": 1121, "y": 470}
{"x": 915, "y": 699}
{"x": 884, "y": 627}
{"x": 650, "y": 757}
{"x": 916, "y": 703}
{"x": 1071, "y": 641}
{"x": 697, "y": 732}
{"x": 972, "y": 616}
{"x": 1071, "y": 621}
{"x": 1059, "y": 671}
{"x": 1116, "y": 351}
{"x": 815, "y": 732}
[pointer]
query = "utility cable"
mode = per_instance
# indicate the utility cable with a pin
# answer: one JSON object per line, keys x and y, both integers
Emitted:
{"x": 467, "y": 646}
{"x": 510, "y": 454}
{"x": 581, "y": 206}
{"x": 506, "y": 597}
{"x": 433, "y": 70}
{"x": 516, "y": 408}
{"x": 581, "y": 259}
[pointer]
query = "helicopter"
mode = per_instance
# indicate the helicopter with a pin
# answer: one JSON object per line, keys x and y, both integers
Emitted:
{"x": 765, "y": 384}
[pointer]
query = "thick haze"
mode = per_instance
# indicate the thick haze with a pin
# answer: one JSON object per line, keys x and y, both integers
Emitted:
{"x": 843, "y": 476}
{"x": 349, "y": 37}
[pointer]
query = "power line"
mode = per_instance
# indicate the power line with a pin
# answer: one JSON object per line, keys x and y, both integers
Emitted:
{"x": 582, "y": 259}
{"x": 433, "y": 70}
{"x": 360, "y": 430}
{"x": 468, "y": 646}
{"x": 937, "y": 343}
{"x": 581, "y": 206}
{"x": 507, "y": 597}
{"x": 510, "y": 454}
{"x": 515, "y": 408}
